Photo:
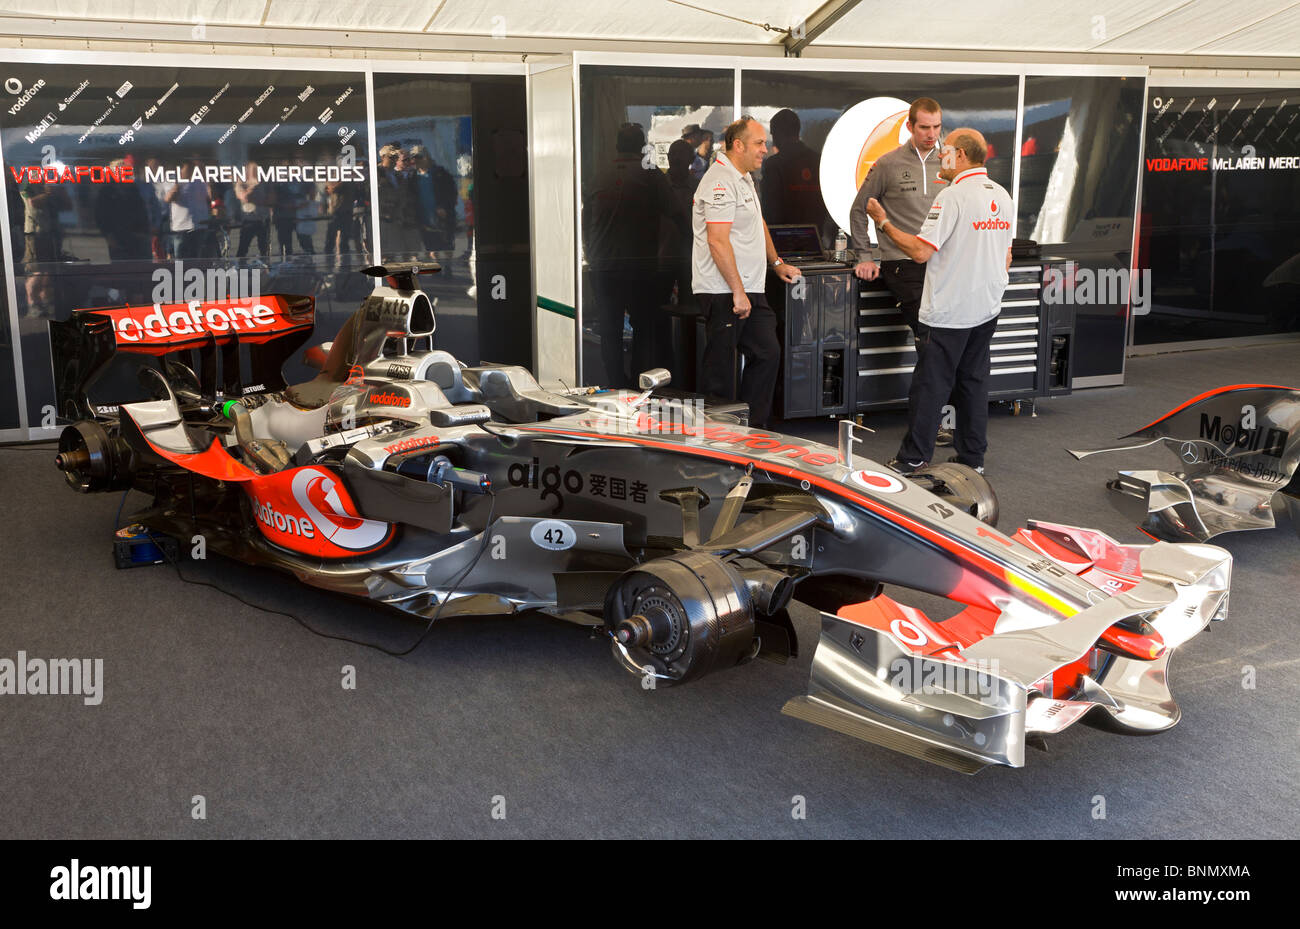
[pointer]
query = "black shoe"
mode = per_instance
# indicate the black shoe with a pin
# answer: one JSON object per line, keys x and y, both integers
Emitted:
{"x": 906, "y": 467}
{"x": 978, "y": 469}
{"x": 943, "y": 438}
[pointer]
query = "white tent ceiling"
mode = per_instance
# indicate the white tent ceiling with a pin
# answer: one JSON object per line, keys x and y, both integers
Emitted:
{"x": 1166, "y": 27}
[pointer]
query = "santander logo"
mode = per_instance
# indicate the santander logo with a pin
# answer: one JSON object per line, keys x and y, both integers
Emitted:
{"x": 317, "y": 492}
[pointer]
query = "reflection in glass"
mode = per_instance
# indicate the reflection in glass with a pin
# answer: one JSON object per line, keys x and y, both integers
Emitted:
{"x": 790, "y": 179}
{"x": 424, "y": 129}
{"x": 8, "y": 374}
{"x": 1078, "y": 161}
{"x": 819, "y": 99}
{"x": 1078, "y": 186}
{"x": 438, "y": 137}
{"x": 125, "y": 185}
{"x": 648, "y": 135}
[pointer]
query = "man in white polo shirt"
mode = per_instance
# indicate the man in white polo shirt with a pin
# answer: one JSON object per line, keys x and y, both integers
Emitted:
{"x": 731, "y": 250}
{"x": 966, "y": 241}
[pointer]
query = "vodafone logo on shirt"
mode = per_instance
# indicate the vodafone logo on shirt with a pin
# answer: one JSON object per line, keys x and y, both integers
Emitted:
{"x": 992, "y": 223}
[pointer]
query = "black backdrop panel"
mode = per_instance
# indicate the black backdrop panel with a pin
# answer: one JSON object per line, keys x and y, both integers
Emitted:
{"x": 1220, "y": 227}
{"x": 452, "y": 173}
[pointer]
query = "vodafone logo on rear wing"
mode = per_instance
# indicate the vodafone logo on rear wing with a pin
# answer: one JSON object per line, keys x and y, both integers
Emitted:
{"x": 170, "y": 326}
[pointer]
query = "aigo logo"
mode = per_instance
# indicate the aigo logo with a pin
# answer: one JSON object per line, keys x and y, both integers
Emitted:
{"x": 309, "y": 510}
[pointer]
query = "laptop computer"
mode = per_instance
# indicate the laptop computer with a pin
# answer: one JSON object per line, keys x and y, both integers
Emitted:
{"x": 801, "y": 245}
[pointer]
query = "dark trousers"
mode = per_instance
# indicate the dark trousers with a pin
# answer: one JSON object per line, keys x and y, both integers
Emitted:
{"x": 755, "y": 337}
{"x": 906, "y": 281}
{"x": 284, "y": 229}
{"x": 638, "y": 295}
{"x": 253, "y": 229}
{"x": 952, "y": 362}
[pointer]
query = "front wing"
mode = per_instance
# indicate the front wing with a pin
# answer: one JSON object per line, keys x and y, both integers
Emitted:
{"x": 884, "y": 673}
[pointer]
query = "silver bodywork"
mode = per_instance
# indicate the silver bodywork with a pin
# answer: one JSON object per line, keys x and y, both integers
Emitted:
{"x": 986, "y": 706}
{"x": 1238, "y": 450}
{"x": 629, "y": 482}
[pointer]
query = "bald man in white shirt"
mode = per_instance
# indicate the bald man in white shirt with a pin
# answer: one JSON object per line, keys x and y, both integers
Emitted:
{"x": 966, "y": 243}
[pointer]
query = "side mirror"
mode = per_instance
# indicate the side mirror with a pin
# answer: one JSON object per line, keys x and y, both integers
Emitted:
{"x": 654, "y": 378}
{"x": 315, "y": 356}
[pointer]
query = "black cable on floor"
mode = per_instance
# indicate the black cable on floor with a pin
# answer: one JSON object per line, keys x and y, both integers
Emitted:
{"x": 460, "y": 579}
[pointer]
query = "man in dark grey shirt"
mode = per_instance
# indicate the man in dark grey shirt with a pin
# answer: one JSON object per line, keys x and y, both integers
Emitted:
{"x": 905, "y": 182}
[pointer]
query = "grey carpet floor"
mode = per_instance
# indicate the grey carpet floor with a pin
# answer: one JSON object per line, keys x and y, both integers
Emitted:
{"x": 525, "y": 727}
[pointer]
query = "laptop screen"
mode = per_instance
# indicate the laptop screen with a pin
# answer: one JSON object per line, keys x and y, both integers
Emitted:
{"x": 796, "y": 241}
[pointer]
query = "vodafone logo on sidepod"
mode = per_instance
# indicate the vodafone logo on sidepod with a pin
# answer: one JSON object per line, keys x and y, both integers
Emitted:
{"x": 317, "y": 492}
{"x": 309, "y": 510}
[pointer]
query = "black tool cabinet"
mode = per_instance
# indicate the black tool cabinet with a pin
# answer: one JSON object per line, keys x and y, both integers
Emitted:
{"x": 847, "y": 350}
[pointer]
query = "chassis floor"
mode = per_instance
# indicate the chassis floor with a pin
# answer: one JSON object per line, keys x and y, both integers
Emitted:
{"x": 206, "y": 696}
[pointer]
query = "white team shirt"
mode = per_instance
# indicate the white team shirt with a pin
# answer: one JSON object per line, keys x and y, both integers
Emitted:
{"x": 727, "y": 196}
{"x": 969, "y": 226}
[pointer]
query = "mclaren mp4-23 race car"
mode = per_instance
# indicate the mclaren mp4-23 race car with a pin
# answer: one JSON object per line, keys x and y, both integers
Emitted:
{"x": 400, "y": 475}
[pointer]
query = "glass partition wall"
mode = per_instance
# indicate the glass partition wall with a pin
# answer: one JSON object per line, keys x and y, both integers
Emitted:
{"x": 1068, "y": 153}
{"x": 646, "y": 138}
{"x": 141, "y": 180}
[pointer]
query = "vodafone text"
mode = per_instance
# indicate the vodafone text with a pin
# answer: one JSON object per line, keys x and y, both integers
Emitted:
{"x": 194, "y": 320}
{"x": 92, "y": 174}
{"x": 272, "y": 518}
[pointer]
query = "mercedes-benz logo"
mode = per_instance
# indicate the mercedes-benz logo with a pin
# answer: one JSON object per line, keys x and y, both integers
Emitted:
{"x": 1190, "y": 453}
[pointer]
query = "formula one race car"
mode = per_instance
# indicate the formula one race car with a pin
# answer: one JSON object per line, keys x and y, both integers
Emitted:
{"x": 402, "y": 476}
{"x": 1240, "y": 450}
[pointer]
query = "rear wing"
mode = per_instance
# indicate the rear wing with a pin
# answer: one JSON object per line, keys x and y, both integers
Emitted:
{"x": 271, "y": 328}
